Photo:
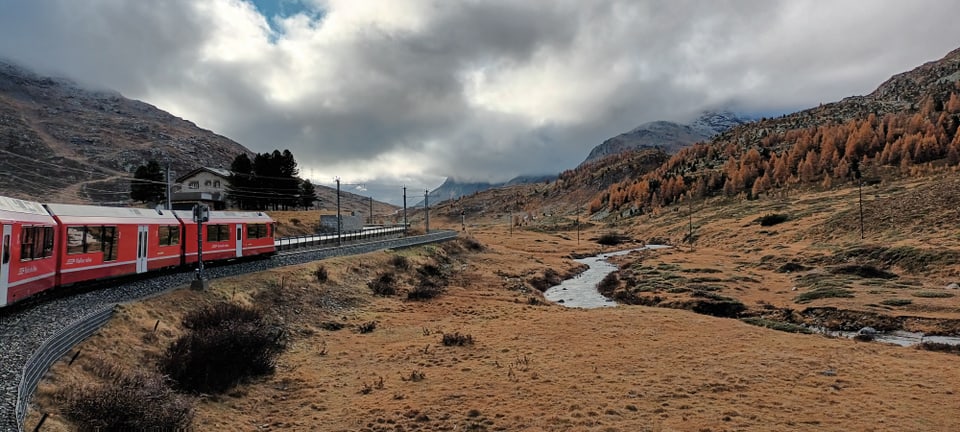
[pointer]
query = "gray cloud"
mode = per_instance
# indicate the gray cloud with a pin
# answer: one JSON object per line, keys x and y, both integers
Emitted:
{"x": 409, "y": 91}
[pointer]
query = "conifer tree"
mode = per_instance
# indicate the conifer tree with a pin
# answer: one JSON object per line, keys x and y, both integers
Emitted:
{"x": 148, "y": 184}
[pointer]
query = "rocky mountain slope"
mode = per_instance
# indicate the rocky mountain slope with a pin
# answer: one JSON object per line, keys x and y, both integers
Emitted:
{"x": 668, "y": 136}
{"x": 60, "y": 142}
{"x": 452, "y": 188}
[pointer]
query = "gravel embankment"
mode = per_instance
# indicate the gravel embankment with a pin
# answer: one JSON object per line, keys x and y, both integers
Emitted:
{"x": 23, "y": 331}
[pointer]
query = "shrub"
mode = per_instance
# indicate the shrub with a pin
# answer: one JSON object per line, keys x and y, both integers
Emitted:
{"x": 295, "y": 221}
{"x": 472, "y": 244}
{"x": 431, "y": 271}
{"x": 608, "y": 284}
{"x": 932, "y": 294}
{"x": 611, "y": 239}
{"x": 400, "y": 262}
{"x": 321, "y": 274}
{"x": 773, "y": 219}
{"x": 367, "y": 327}
{"x": 820, "y": 293}
{"x": 864, "y": 271}
{"x": 219, "y": 313}
{"x": 549, "y": 279}
{"x": 940, "y": 347}
{"x": 384, "y": 285}
{"x": 896, "y": 302}
{"x": 426, "y": 290}
{"x": 777, "y": 325}
{"x": 226, "y": 344}
{"x": 138, "y": 401}
{"x": 457, "y": 339}
{"x": 332, "y": 325}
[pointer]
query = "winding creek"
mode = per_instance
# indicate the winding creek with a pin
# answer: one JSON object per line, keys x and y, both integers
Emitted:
{"x": 581, "y": 292}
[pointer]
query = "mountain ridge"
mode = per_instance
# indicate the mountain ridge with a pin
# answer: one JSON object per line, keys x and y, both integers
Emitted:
{"x": 667, "y": 135}
{"x": 96, "y": 139}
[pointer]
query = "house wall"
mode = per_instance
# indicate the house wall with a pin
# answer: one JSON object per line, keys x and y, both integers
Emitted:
{"x": 206, "y": 182}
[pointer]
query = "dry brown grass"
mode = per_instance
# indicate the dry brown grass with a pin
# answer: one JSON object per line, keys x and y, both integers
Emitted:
{"x": 542, "y": 367}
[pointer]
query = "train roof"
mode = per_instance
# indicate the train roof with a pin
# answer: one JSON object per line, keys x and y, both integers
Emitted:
{"x": 13, "y": 209}
{"x": 20, "y": 206}
{"x": 74, "y": 212}
{"x": 227, "y": 216}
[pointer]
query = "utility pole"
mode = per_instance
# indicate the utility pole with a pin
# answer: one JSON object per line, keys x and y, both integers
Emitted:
{"x": 578, "y": 225}
{"x": 690, "y": 212}
{"x": 201, "y": 214}
{"x": 404, "y": 209}
{"x": 426, "y": 209}
{"x": 169, "y": 188}
{"x": 860, "y": 189}
{"x": 339, "y": 222}
{"x": 371, "y": 210}
{"x": 855, "y": 167}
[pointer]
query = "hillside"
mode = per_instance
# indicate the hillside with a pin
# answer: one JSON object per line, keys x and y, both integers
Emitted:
{"x": 908, "y": 123}
{"x": 91, "y": 141}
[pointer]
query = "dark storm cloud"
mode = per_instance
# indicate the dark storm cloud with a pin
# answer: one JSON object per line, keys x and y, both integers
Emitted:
{"x": 411, "y": 91}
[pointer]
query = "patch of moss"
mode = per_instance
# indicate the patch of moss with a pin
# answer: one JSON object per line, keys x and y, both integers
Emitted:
{"x": 821, "y": 293}
{"x": 777, "y": 325}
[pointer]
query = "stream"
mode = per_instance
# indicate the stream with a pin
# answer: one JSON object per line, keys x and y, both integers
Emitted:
{"x": 581, "y": 292}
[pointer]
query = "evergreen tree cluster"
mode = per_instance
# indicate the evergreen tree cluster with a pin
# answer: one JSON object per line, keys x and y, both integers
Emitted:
{"x": 268, "y": 182}
{"x": 148, "y": 184}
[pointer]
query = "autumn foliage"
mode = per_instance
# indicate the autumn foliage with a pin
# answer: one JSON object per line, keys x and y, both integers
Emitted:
{"x": 757, "y": 159}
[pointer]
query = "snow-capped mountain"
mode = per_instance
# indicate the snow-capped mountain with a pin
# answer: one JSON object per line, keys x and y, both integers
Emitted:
{"x": 668, "y": 136}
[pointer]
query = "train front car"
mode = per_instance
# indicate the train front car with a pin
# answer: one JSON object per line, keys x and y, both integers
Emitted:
{"x": 105, "y": 242}
{"x": 27, "y": 240}
{"x": 228, "y": 235}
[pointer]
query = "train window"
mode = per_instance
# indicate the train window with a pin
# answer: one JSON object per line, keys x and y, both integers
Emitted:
{"x": 255, "y": 231}
{"x": 169, "y": 235}
{"x": 218, "y": 233}
{"x": 6, "y": 249}
{"x": 75, "y": 236}
{"x": 93, "y": 240}
{"x": 47, "y": 241}
{"x": 27, "y": 240}
{"x": 107, "y": 240}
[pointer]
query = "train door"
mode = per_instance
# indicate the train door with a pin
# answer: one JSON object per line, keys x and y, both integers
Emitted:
{"x": 5, "y": 263}
{"x": 142, "y": 240}
{"x": 239, "y": 240}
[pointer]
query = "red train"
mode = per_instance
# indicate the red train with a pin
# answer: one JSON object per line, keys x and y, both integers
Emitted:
{"x": 50, "y": 245}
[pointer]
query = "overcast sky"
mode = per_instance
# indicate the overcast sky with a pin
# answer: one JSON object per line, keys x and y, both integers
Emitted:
{"x": 407, "y": 92}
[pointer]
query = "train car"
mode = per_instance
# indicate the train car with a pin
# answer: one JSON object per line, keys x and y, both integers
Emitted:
{"x": 228, "y": 235}
{"x": 103, "y": 242}
{"x": 27, "y": 261}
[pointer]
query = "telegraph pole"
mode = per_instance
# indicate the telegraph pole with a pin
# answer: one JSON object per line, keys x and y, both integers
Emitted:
{"x": 339, "y": 222}
{"x": 404, "y": 209}
{"x": 426, "y": 209}
{"x": 371, "y": 210}
{"x": 169, "y": 187}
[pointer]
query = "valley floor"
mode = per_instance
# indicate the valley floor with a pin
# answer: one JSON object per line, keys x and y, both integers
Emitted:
{"x": 538, "y": 366}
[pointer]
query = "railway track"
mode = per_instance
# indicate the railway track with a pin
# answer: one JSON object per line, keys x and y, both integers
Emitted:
{"x": 24, "y": 331}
